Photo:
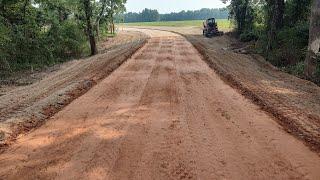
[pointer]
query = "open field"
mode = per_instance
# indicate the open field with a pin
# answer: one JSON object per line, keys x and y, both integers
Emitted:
{"x": 222, "y": 23}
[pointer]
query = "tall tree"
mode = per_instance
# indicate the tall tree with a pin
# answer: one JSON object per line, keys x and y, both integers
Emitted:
{"x": 242, "y": 12}
{"x": 314, "y": 40}
{"x": 114, "y": 7}
{"x": 201, "y": 14}
{"x": 93, "y": 11}
{"x": 275, "y": 20}
{"x": 101, "y": 13}
{"x": 87, "y": 7}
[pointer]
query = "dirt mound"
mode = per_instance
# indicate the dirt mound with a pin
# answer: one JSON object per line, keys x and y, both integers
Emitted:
{"x": 25, "y": 107}
{"x": 294, "y": 102}
{"x": 173, "y": 118}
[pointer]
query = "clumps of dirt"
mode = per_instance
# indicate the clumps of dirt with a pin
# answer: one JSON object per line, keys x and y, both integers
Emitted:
{"x": 165, "y": 51}
{"x": 122, "y": 38}
{"x": 292, "y": 101}
{"x": 48, "y": 111}
{"x": 27, "y": 107}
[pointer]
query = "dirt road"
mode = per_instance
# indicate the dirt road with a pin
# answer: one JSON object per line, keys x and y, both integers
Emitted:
{"x": 24, "y": 107}
{"x": 164, "y": 114}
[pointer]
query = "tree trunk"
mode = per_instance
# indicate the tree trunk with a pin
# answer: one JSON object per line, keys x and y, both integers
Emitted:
{"x": 242, "y": 23}
{"x": 276, "y": 12}
{"x": 314, "y": 40}
{"x": 98, "y": 30}
{"x": 88, "y": 12}
{"x": 97, "y": 24}
{"x": 93, "y": 45}
{"x": 112, "y": 24}
{"x": 24, "y": 10}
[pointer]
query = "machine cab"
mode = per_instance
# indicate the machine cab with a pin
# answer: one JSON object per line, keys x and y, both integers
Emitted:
{"x": 210, "y": 28}
{"x": 210, "y": 22}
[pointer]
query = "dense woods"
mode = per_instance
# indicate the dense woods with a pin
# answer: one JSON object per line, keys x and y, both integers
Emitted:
{"x": 280, "y": 30}
{"x": 312, "y": 59}
{"x": 37, "y": 33}
{"x": 148, "y": 15}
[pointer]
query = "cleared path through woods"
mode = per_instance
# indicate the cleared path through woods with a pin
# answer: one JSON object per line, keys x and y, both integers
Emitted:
{"x": 164, "y": 114}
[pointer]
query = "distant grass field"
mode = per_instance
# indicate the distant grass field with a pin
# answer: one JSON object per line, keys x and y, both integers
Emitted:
{"x": 222, "y": 23}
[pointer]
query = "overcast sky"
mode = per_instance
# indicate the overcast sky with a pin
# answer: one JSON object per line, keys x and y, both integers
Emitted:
{"x": 166, "y": 6}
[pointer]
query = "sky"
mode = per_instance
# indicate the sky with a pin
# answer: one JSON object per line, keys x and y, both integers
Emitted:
{"x": 167, "y": 6}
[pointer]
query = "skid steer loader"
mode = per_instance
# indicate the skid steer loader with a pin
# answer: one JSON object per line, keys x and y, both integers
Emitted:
{"x": 210, "y": 28}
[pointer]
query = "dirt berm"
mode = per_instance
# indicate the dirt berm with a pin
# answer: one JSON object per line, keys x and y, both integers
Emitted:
{"x": 294, "y": 102}
{"x": 25, "y": 107}
{"x": 163, "y": 114}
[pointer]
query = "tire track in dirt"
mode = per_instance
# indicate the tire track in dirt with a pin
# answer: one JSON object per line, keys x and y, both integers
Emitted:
{"x": 164, "y": 114}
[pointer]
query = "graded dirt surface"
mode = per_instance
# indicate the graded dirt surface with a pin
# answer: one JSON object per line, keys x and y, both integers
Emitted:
{"x": 293, "y": 101}
{"x": 24, "y": 107}
{"x": 163, "y": 114}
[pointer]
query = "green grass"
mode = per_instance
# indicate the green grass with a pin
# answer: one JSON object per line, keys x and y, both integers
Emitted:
{"x": 222, "y": 23}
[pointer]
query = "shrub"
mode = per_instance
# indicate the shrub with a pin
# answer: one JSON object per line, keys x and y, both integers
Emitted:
{"x": 297, "y": 69}
{"x": 4, "y": 41}
{"x": 293, "y": 42}
{"x": 248, "y": 36}
{"x": 36, "y": 48}
{"x": 67, "y": 40}
{"x": 290, "y": 45}
{"x": 317, "y": 74}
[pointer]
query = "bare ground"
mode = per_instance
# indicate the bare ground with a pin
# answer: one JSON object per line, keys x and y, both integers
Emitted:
{"x": 164, "y": 114}
{"x": 293, "y": 101}
{"x": 24, "y": 107}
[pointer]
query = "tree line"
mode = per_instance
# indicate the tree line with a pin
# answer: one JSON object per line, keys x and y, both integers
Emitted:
{"x": 286, "y": 32}
{"x": 36, "y": 33}
{"x": 149, "y": 15}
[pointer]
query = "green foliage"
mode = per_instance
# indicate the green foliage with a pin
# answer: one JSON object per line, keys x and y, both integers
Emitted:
{"x": 290, "y": 45}
{"x": 4, "y": 41}
{"x": 31, "y": 36}
{"x": 296, "y": 69}
{"x": 295, "y": 41}
{"x": 67, "y": 39}
{"x": 283, "y": 41}
{"x": 201, "y": 14}
{"x": 317, "y": 73}
{"x": 149, "y": 15}
{"x": 38, "y": 33}
{"x": 242, "y": 12}
{"x": 296, "y": 11}
{"x": 248, "y": 36}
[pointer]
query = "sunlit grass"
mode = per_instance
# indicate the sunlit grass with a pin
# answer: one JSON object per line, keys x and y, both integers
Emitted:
{"x": 222, "y": 23}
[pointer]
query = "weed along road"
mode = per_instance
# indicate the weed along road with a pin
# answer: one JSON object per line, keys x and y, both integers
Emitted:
{"x": 164, "y": 114}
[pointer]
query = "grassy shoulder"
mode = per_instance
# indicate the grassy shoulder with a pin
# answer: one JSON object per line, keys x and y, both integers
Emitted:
{"x": 222, "y": 23}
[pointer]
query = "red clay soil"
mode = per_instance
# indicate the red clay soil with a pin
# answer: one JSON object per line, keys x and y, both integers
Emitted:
{"x": 164, "y": 114}
{"x": 27, "y": 107}
{"x": 293, "y": 101}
